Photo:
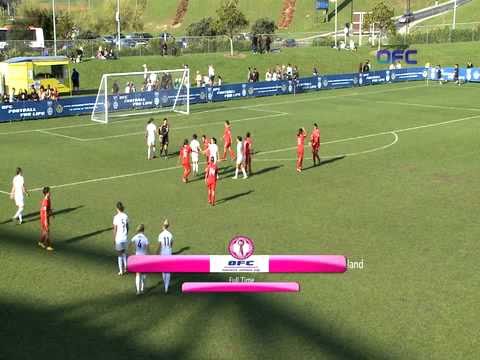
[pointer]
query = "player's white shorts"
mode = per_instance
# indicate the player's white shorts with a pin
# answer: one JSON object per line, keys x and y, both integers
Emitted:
{"x": 166, "y": 251}
{"x": 151, "y": 141}
{"x": 239, "y": 160}
{"x": 194, "y": 157}
{"x": 121, "y": 246}
{"x": 19, "y": 200}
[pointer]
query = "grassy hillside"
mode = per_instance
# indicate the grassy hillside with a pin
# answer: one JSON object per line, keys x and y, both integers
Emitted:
{"x": 159, "y": 14}
{"x": 467, "y": 13}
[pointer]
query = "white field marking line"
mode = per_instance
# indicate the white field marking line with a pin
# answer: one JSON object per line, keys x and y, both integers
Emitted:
{"x": 383, "y": 147}
{"x": 246, "y": 107}
{"x": 425, "y": 105}
{"x": 4, "y": 192}
{"x": 377, "y": 134}
{"x": 273, "y": 115}
{"x": 59, "y": 135}
{"x": 267, "y": 152}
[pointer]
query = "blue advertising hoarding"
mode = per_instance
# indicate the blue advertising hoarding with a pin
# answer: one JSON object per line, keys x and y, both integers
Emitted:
{"x": 83, "y": 105}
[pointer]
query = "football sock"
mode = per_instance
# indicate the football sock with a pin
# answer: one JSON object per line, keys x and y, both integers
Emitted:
{"x": 166, "y": 280}
{"x": 120, "y": 264}
{"x": 244, "y": 173}
{"x": 142, "y": 282}
{"x": 138, "y": 279}
{"x": 124, "y": 260}
{"x": 149, "y": 153}
{"x": 236, "y": 172}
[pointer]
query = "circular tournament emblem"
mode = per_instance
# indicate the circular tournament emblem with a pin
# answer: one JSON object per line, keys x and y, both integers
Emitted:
{"x": 290, "y": 87}
{"x": 476, "y": 75}
{"x": 319, "y": 85}
{"x": 241, "y": 247}
{"x": 156, "y": 99}
{"x": 203, "y": 96}
{"x": 393, "y": 76}
{"x": 250, "y": 91}
{"x": 244, "y": 92}
{"x": 360, "y": 80}
{"x": 355, "y": 80}
{"x": 164, "y": 99}
{"x": 284, "y": 87}
{"x": 50, "y": 111}
{"x": 325, "y": 82}
{"x": 387, "y": 76}
{"x": 425, "y": 73}
{"x": 115, "y": 105}
{"x": 59, "y": 109}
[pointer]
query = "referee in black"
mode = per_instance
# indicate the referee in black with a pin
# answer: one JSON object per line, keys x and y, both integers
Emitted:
{"x": 163, "y": 132}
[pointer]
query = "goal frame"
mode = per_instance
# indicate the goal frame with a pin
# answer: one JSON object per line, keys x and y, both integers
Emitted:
{"x": 102, "y": 94}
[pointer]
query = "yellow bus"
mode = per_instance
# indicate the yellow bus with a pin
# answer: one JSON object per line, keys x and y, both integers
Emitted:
{"x": 23, "y": 72}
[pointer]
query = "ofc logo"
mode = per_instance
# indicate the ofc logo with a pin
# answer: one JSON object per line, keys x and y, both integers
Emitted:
{"x": 241, "y": 262}
{"x": 385, "y": 56}
{"x": 241, "y": 248}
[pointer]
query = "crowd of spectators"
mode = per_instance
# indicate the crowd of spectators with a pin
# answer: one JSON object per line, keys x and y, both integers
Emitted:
{"x": 33, "y": 94}
{"x": 105, "y": 54}
{"x": 280, "y": 72}
{"x": 261, "y": 44}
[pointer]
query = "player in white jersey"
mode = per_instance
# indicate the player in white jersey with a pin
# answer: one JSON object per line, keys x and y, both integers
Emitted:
{"x": 140, "y": 242}
{"x": 213, "y": 150}
{"x": 120, "y": 237}
{"x": 195, "y": 146}
{"x": 18, "y": 194}
{"x": 165, "y": 244}
{"x": 150, "y": 134}
{"x": 240, "y": 165}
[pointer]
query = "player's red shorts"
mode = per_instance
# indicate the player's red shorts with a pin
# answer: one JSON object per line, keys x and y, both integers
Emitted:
{"x": 186, "y": 165}
{"x": 300, "y": 151}
{"x": 228, "y": 143}
{"x": 211, "y": 185}
{"x": 315, "y": 147}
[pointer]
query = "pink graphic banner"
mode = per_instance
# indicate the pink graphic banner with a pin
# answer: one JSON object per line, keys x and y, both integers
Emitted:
{"x": 240, "y": 287}
{"x": 202, "y": 264}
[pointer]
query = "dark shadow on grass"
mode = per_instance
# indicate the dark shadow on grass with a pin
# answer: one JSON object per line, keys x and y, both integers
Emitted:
{"x": 325, "y": 162}
{"x": 34, "y": 216}
{"x": 182, "y": 250}
{"x": 71, "y": 330}
{"x": 266, "y": 170}
{"x": 86, "y": 236}
{"x": 233, "y": 197}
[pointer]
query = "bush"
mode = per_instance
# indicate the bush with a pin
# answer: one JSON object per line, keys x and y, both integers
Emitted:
{"x": 264, "y": 26}
{"x": 204, "y": 27}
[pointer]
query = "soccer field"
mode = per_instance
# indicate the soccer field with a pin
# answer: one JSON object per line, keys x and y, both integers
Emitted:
{"x": 398, "y": 188}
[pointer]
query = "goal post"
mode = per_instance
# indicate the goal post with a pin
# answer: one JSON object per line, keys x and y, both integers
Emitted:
{"x": 123, "y": 95}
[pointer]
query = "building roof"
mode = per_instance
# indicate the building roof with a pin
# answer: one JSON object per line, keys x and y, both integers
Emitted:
{"x": 21, "y": 59}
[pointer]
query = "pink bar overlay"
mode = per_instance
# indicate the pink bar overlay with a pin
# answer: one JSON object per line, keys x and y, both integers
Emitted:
{"x": 239, "y": 287}
{"x": 307, "y": 264}
{"x": 174, "y": 264}
{"x": 201, "y": 264}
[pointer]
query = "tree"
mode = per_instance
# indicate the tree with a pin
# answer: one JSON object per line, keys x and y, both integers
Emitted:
{"x": 230, "y": 20}
{"x": 381, "y": 17}
{"x": 264, "y": 26}
{"x": 204, "y": 27}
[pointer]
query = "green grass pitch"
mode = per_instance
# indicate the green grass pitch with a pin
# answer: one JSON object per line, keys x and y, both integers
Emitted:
{"x": 404, "y": 199}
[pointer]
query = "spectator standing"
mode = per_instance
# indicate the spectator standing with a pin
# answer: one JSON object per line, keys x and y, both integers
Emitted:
{"x": 164, "y": 48}
{"x": 260, "y": 44}
{"x": 211, "y": 73}
{"x": 220, "y": 81}
{"x": 398, "y": 65}
{"x": 268, "y": 43}
{"x": 268, "y": 75}
{"x": 256, "y": 75}
{"x": 275, "y": 76}
{"x": 75, "y": 80}
{"x": 115, "y": 88}
{"x": 254, "y": 44}
{"x": 145, "y": 72}
{"x": 198, "y": 79}
{"x": 315, "y": 71}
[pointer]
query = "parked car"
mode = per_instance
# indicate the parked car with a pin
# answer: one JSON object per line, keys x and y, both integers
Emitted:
{"x": 166, "y": 36}
{"x": 289, "y": 43}
{"x": 406, "y": 18}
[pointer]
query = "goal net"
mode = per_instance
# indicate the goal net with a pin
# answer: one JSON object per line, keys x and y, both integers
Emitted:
{"x": 129, "y": 94}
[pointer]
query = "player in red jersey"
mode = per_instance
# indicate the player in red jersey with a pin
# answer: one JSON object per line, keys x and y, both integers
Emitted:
{"x": 45, "y": 213}
{"x": 227, "y": 141}
{"x": 211, "y": 175}
{"x": 185, "y": 152}
{"x": 205, "y": 142}
{"x": 247, "y": 153}
{"x": 315, "y": 144}
{"x": 301, "y": 135}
